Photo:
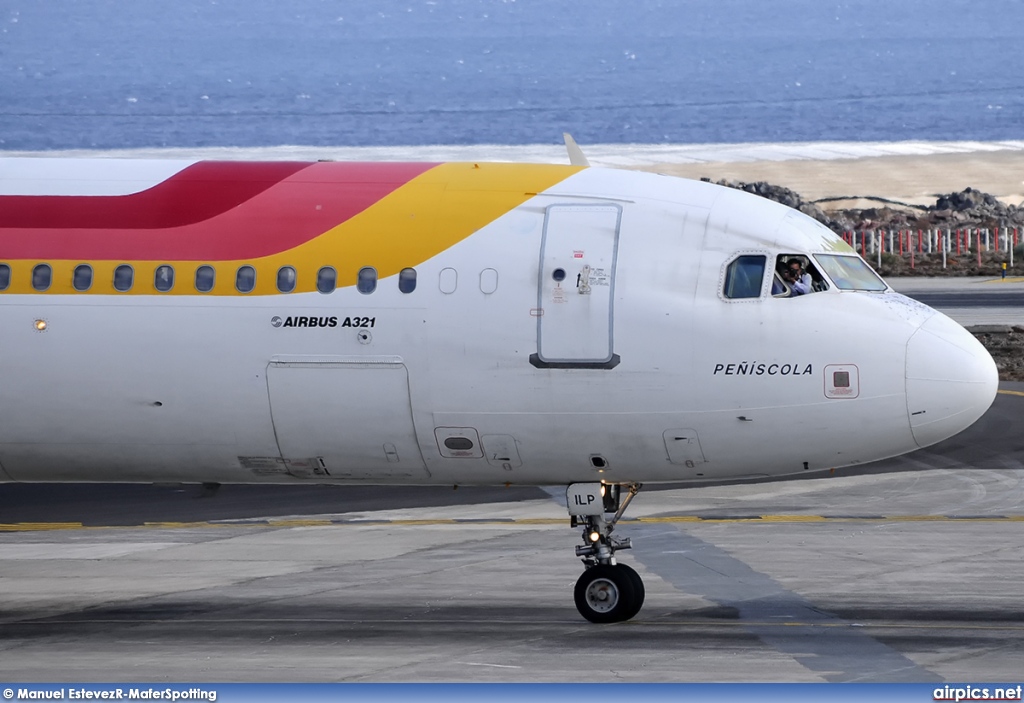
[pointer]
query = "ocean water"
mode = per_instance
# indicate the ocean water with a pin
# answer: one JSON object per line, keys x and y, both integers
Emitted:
{"x": 112, "y": 74}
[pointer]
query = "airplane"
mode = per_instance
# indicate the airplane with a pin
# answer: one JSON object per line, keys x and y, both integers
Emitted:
{"x": 452, "y": 324}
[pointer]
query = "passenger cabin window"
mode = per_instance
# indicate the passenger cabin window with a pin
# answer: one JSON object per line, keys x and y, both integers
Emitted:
{"x": 488, "y": 281}
{"x": 796, "y": 275}
{"x": 850, "y": 273}
{"x": 366, "y": 283}
{"x": 205, "y": 276}
{"x": 744, "y": 276}
{"x": 124, "y": 277}
{"x": 5, "y": 276}
{"x": 448, "y": 280}
{"x": 245, "y": 279}
{"x": 81, "y": 279}
{"x": 163, "y": 278}
{"x": 326, "y": 279}
{"x": 42, "y": 275}
{"x": 407, "y": 280}
{"x": 286, "y": 279}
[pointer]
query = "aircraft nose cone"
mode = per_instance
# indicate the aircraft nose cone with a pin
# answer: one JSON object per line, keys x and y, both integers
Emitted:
{"x": 951, "y": 380}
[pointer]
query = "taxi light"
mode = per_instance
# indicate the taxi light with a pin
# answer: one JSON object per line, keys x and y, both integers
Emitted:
{"x": 595, "y": 536}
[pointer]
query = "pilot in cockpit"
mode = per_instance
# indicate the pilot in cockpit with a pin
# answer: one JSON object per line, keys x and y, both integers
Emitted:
{"x": 799, "y": 280}
{"x": 795, "y": 275}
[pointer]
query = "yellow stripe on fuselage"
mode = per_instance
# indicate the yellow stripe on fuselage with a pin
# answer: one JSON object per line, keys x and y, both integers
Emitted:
{"x": 410, "y": 225}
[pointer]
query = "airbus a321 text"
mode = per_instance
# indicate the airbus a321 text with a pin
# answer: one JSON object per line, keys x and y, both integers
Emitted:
{"x": 451, "y": 323}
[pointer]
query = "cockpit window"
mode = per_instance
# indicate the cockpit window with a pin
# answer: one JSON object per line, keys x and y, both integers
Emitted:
{"x": 780, "y": 289}
{"x": 743, "y": 277}
{"x": 850, "y": 272}
{"x": 796, "y": 275}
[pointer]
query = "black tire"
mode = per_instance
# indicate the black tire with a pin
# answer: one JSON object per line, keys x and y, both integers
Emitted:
{"x": 639, "y": 592}
{"x": 604, "y": 594}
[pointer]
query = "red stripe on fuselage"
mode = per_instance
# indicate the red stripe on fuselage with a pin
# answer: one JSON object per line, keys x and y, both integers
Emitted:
{"x": 222, "y": 211}
{"x": 197, "y": 193}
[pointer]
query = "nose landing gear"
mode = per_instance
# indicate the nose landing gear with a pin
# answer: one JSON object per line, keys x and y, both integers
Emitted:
{"x": 606, "y": 591}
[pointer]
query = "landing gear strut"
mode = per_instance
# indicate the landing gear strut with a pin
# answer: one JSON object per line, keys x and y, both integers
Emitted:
{"x": 606, "y": 591}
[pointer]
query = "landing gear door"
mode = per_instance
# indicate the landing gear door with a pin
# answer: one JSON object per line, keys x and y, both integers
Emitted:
{"x": 576, "y": 286}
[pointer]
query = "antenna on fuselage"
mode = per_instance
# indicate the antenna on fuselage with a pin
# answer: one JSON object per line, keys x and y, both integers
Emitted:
{"x": 576, "y": 157}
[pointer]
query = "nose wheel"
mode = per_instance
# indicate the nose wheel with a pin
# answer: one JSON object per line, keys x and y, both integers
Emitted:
{"x": 609, "y": 593}
{"x": 606, "y": 591}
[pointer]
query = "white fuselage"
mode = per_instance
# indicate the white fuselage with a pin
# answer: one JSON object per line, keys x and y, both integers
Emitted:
{"x": 491, "y": 373}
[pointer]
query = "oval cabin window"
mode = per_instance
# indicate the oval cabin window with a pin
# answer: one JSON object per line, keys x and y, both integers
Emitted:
{"x": 245, "y": 279}
{"x": 5, "y": 276}
{"x": 488, "y": 281}
{"x": 367, "y": 280}
{"x": 81, "y": 279}
{"x": 286, "y": 279}
{"x": 124, "y": 277}
{"x": 42, "y": 275}
{"x": 163, "y": 278}
{"x": 448, "y": 281}
{"x": 205, "y": 276}
{"x": 326, "y": 279}
{"x": 407, "y": 280}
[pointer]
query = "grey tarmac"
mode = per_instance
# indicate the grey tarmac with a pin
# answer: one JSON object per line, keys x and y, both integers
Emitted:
{"x": 969, "y": 300}
{"x": 857, "y": 576}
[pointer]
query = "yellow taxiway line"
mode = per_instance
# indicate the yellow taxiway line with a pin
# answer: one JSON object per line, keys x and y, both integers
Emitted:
{"x": 1008, "y": 279}
{"x": 558, "y": 522}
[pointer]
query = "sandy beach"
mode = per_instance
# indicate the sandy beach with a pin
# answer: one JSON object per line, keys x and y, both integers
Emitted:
{"x": 915, "y": 179}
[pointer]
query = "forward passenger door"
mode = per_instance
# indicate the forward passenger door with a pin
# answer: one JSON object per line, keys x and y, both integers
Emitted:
{"x": 576, "y": 287}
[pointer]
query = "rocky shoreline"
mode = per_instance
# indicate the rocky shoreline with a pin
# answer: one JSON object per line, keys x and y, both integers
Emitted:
{"x": 1006, "y": 345}
{"x": 969, "y": 209}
